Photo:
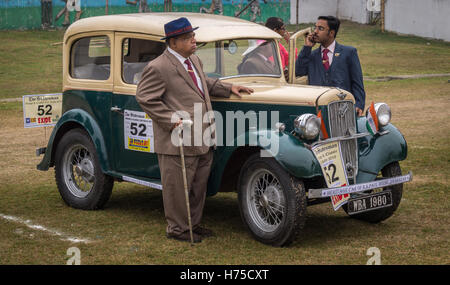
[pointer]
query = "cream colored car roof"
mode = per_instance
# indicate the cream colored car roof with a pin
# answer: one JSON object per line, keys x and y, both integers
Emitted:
{"x": 211, "y": 27}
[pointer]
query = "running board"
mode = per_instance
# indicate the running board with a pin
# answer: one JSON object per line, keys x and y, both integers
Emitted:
{"x": 142, "y": 182}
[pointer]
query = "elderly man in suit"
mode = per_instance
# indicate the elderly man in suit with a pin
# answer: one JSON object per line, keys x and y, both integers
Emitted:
{"x": 332, "y": 64}
{"x": 172, "y": 83}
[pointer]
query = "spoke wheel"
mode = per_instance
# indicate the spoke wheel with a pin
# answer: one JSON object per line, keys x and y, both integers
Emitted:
{"x": 376, "y": 216}
{"x": 272, "y": 203}
{"x": 265, "y": 200}
{"x": 78, "y": 173}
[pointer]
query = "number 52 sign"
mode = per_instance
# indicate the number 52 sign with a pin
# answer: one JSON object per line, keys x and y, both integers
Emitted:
{"x": 41, "y": 110}
{"x": 138, "y": 131}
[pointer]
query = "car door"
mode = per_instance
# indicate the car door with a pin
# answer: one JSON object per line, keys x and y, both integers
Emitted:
{"x": 297, "y": 40}
{"x": 133, "y": 139}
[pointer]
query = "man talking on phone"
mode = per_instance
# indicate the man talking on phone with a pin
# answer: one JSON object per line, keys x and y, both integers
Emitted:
{"x": 332, "y": 64}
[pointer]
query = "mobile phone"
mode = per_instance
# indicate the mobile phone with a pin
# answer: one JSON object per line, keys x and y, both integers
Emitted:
{"x": 311, "y": 38}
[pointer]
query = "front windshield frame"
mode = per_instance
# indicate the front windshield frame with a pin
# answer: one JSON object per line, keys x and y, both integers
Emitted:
{"x": 219, "y": 62}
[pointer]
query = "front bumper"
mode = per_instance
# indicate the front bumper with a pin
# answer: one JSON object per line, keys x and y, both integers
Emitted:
{"x": 328, "y": 192}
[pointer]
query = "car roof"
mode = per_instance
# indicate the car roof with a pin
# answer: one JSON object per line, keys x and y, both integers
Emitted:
{"x": 211, "y": 27}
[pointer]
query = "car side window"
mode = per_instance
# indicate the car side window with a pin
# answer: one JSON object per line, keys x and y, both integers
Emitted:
{"x": 91, "y": 58}
{"x": 136, "y": 54}
{"x": 209, "y": 53}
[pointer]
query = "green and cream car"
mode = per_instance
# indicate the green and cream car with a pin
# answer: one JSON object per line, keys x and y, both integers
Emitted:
{"x": 283, "y": 148}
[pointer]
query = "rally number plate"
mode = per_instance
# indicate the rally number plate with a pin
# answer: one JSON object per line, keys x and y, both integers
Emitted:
{"x": 369, "y": 202}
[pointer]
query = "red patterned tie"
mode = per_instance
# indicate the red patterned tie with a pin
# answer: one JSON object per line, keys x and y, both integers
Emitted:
{"x": 325, "y": 61}
{"x": 192, "y": 74}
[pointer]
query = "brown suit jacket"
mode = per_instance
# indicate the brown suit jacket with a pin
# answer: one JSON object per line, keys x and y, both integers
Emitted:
{"x": 166, "y": 88}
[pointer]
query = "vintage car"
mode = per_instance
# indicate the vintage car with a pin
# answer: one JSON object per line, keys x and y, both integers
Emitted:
{"x": 283, "y": 148}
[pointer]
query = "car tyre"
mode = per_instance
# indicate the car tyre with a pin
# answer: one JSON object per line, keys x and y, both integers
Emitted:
{"x": 391, "y": 170}
{"x": 272, "y": 203}
{"x": 78, "y": 173}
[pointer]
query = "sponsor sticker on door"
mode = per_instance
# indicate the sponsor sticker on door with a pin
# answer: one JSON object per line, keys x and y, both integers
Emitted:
{"x": 329, "y": 156}
{"x": 138, "y": 131}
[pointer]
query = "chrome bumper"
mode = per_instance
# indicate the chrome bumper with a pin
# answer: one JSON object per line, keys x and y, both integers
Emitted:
{"x": 328, "y": 192}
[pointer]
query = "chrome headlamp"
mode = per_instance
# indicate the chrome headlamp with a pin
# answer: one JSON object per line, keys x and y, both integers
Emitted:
{"x": 383, "y": 114}
{"x": 307, "y": 126}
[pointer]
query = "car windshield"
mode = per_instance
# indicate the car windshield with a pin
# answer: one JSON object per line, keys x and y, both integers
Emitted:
{"x": 240, "y": 57}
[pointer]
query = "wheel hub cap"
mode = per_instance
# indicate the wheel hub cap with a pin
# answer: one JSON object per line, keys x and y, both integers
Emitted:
{"x": 78, "y": 170}
{"x": 85, "y": 170}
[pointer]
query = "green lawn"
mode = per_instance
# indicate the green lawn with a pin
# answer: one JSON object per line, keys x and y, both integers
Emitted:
{"x": 130, "y": 230}
{"x": 33, "y": 61}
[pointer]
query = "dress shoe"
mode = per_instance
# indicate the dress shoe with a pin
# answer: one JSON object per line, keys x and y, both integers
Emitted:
{"x": 204, "y": 232}
{"x": 185, "y": 236}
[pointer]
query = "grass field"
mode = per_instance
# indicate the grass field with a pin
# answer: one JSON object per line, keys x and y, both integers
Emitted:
{"x": 131, "y": 229}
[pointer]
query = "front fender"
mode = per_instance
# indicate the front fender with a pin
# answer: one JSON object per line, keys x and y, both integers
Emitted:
{"x": 292, "y": 154}
{"x": 289, "y": 152}
{"x": 72, "y": 119}
{"x": 375, "y": 152}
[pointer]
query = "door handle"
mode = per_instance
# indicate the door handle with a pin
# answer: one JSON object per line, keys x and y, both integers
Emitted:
{"x": 116, "y": 109}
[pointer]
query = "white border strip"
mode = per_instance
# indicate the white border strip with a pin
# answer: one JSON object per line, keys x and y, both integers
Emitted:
{"x": 327, "y": 192}
{"x": 142, "y": 182}
{"x": 30, "y": 224}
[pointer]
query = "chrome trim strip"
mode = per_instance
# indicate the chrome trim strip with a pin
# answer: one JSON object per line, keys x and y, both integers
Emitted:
{"x": 328, "y": 192}
{"x": 250, "y": 75}
{"x": 342, "y": 122}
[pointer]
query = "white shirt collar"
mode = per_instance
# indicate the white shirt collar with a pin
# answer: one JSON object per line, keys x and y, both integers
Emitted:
{"x": 330, "y": 47}
{"x": 177, "y": 55}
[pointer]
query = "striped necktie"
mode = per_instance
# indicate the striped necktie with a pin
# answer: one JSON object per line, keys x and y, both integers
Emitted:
{"x": 325, "y": 61}
{"x": 192, "y": 74}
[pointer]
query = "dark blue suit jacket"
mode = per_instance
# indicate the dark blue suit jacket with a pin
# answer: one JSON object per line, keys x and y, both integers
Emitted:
{"x": 345, "y": 71}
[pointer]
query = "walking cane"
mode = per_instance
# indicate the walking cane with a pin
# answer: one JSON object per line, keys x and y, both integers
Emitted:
{"x": 183, "y": 168}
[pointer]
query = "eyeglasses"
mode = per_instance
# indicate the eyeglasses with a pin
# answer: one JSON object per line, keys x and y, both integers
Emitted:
{"x": 187, "y": 37}
{"x": 320, "y": 28}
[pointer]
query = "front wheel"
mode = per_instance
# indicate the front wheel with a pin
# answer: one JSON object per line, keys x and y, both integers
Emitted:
{"x": 272, "y": 203}
{"x": 78, "y": 174}
{"x": 391, "y": 170}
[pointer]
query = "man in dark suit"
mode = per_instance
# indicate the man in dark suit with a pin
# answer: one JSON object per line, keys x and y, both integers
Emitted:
{"x": 174, "y": 82}
{"x": 332, "y": 64}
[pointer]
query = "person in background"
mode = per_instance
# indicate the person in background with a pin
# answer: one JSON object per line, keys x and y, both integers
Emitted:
{"x": 46, "y": 14}
{"x": 276, "y": 24}
{"x": 332, "y": 64}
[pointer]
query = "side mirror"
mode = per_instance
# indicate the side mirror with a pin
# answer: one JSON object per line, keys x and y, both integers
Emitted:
{"x": 231, "y": 47}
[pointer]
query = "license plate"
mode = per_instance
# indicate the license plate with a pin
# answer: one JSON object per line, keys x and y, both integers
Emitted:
{"x": 369, "y": 202}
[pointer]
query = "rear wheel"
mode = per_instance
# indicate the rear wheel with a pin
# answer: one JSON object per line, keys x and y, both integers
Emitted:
{"x": 79, "y": 177}
{"x": 391, "y": 170}
{"x": 272, "y": 203}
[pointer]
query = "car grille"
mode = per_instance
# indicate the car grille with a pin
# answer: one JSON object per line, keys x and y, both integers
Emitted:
{"x": 341, "y": 117}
